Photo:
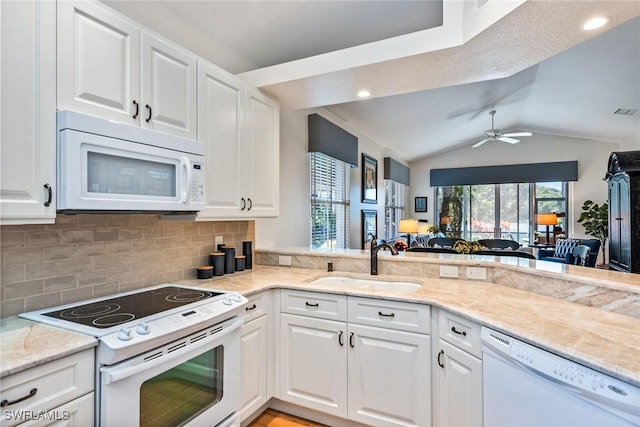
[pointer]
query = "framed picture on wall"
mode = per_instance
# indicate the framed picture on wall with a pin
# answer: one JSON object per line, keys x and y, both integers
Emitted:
{"x": 421, "y": 204}
{"x": 369, "y": 220}
{"x": 369, "y": 179}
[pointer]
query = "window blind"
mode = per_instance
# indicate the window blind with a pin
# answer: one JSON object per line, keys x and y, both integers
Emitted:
{"x": 329, "y": 185}
{"x": 394, "y": 206}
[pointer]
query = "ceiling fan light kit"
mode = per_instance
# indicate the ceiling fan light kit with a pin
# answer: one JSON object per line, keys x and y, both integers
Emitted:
{"x": 494, "y": 134}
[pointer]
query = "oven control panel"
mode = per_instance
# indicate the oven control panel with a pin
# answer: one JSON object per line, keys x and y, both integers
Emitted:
{"x": 135, "y": 337}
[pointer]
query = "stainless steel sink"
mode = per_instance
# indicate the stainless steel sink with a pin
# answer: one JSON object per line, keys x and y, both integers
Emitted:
{"x": 361, "y": 283}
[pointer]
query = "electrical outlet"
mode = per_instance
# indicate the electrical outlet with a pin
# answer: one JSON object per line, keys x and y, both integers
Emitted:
{"x": 477, "y": 273}
{"x": 284, "y": 260}
{"x": 218, "y": 241}
{"x": 448, "y": 271}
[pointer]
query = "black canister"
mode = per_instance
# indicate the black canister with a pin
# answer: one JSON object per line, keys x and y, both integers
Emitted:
{"x": 219, "y": 247}
{"x": 216, "y": 259}
{"x": 229, "y": 259}
{"x": 240, "y": 262}
{"x": 205, "y": 272}
{"x": 248, "y": 255}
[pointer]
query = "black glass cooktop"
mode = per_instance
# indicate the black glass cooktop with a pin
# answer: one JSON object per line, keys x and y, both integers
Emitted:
{"x": 118, "y": 310}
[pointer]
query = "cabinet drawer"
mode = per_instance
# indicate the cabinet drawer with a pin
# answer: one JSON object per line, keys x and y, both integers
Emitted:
{"x": 55, "y": 383}
{"x": 460, "y": 332}
{"x": 314, "y": 304}
{"x": 402, "y": 316}
{"x": 256, "y": 307}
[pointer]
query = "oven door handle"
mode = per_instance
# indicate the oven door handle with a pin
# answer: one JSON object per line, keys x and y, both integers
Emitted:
{"x": 116, "y": 373}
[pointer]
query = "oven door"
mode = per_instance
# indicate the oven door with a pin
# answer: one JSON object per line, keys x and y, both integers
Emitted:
{"x": 194, "y": 381}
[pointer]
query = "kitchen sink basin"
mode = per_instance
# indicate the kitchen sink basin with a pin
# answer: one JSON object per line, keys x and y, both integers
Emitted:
{"x": 373, "y": 284}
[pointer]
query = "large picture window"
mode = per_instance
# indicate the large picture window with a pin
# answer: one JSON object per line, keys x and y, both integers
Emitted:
{"x": 329, "y": 184}
{"x": 507, "y": 211}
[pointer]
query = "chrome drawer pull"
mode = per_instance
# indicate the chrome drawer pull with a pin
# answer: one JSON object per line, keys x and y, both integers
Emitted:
{"x": 6, "y": 402}
{"x": 455, "y": 331}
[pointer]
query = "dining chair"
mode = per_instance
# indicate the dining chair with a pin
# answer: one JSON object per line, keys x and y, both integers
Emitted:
{"x": 580, "y": 254}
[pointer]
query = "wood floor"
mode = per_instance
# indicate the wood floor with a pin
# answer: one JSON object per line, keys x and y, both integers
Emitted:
{"x": 273, "y": 418}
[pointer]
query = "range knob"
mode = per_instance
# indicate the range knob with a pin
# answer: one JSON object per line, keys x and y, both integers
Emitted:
{"x": 125, "y": 334}
{"x": 143, "y": 329}
{"x": 227, "y": 301}
{"x": 236, "y": 297}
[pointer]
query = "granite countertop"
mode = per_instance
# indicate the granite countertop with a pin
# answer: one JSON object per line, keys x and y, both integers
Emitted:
{"x": 606, "y": 341}
{"x": 24, "y": 344}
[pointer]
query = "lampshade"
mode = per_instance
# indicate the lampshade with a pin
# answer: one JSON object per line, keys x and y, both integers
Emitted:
{"x": 423, "y": 227}
{"x": 547, "y": 219}
{"x": 408, "y": 226}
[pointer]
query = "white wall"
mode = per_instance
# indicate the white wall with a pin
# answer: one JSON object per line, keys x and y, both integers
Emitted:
{"x": 592, "y": 157}
{"x": 292, "y": 227}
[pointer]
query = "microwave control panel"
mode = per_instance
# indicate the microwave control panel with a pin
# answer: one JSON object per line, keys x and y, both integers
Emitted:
{"x": 197, "y": 183}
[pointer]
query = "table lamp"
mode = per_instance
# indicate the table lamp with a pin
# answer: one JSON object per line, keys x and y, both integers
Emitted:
{"x": 408, "y": 226}
{"x": 547, "y": 219}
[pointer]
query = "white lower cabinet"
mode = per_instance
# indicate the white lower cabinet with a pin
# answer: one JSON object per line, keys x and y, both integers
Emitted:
{"x": 254, "y": 364}
{"x": 458, "y": 373}
{"x": 379, "y": 376}
{"x": 57, "y": 393}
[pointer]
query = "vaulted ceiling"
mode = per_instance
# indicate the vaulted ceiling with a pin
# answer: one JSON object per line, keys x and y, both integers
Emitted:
{"x": 434, "y": 69}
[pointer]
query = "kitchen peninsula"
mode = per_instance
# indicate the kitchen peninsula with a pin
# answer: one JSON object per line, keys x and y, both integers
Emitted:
{"x": 511, "y": 298}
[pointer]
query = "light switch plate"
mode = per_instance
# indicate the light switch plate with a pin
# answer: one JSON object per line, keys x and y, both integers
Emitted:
{"x": 284, "y": 260}
{"x": 477, "y": 273}
{"x": 218, "y": 241}
{"x": 448, "y": 271}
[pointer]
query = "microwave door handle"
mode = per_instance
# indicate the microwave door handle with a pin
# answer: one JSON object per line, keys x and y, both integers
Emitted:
{"x": 186, "y": 163}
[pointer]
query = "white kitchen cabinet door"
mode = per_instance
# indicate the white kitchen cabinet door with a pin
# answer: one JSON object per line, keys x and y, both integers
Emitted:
{"x": 28, "y": 112}
{"x": 458, "y": 387}
{"x": 389, "y": 377}
{"x": 168, "y": 88}
{"x": 254, "y": 366}
{"x": 313, "y": 363}
{"x": 98, "y": 62}
{"x": 263, "y": 140}
{"x": 77, "y": 413}
{"x": 221, "y": 128}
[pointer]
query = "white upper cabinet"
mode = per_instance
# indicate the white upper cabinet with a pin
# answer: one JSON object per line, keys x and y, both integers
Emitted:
{"x": 107, "y": 67}
{"x": 28, "y": 119}
{"x": 240, "y": 128}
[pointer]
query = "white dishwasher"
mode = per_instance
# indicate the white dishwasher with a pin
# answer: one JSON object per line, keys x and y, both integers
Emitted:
{"x": 525, "y": 386}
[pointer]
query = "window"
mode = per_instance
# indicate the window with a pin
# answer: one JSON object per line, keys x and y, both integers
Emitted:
{"x": 507, "y": 211}
{"x": 330, "y": 182}
{"x": 393, "y": 207}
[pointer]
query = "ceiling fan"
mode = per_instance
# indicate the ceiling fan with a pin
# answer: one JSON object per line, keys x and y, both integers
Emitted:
{"x": 494, "y": 134}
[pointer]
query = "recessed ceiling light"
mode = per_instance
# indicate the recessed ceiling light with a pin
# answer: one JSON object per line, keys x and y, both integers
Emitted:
{"x": 595, "y": 23}
{"x": 364, "y": 94}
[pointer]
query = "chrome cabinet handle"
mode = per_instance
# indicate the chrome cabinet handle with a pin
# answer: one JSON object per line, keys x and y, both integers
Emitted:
{"x": 351, "y": 343}
{"x": 135, "y": 115}
{"x": 47, "y": 187}
{"x": 253, "y": 307}
{"x": 6, "y": 402}
{"x": 386, "y": 315}
{"x": 148, "y": 119}
{"x": 439, "y": 356}
{"x": 455, "y": 331}
{"x": 311, "y": 305}
{"x": 340, "y": 340}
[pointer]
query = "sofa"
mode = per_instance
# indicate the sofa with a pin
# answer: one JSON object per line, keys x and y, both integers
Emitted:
{"x": 565, "y": 256}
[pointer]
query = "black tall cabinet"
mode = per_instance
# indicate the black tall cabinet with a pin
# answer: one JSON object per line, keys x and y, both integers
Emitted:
{"x": 623, "y": 176}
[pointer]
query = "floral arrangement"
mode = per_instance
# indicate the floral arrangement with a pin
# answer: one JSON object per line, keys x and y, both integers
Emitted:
{"x": 464, "y": 247}
{"x": 432, "y": 229}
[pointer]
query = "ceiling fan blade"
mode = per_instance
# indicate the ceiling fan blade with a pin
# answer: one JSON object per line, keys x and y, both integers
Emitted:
{"x": 518, "y": 134}
{"x": 509, "y": 140}
{"x": 479, "y": 143}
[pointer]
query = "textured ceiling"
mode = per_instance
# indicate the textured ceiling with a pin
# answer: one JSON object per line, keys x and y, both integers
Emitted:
{"x": 430, "y": 91}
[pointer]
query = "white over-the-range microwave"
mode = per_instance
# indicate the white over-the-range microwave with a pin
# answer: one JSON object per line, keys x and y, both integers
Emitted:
{"x": 104, "y": 166}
